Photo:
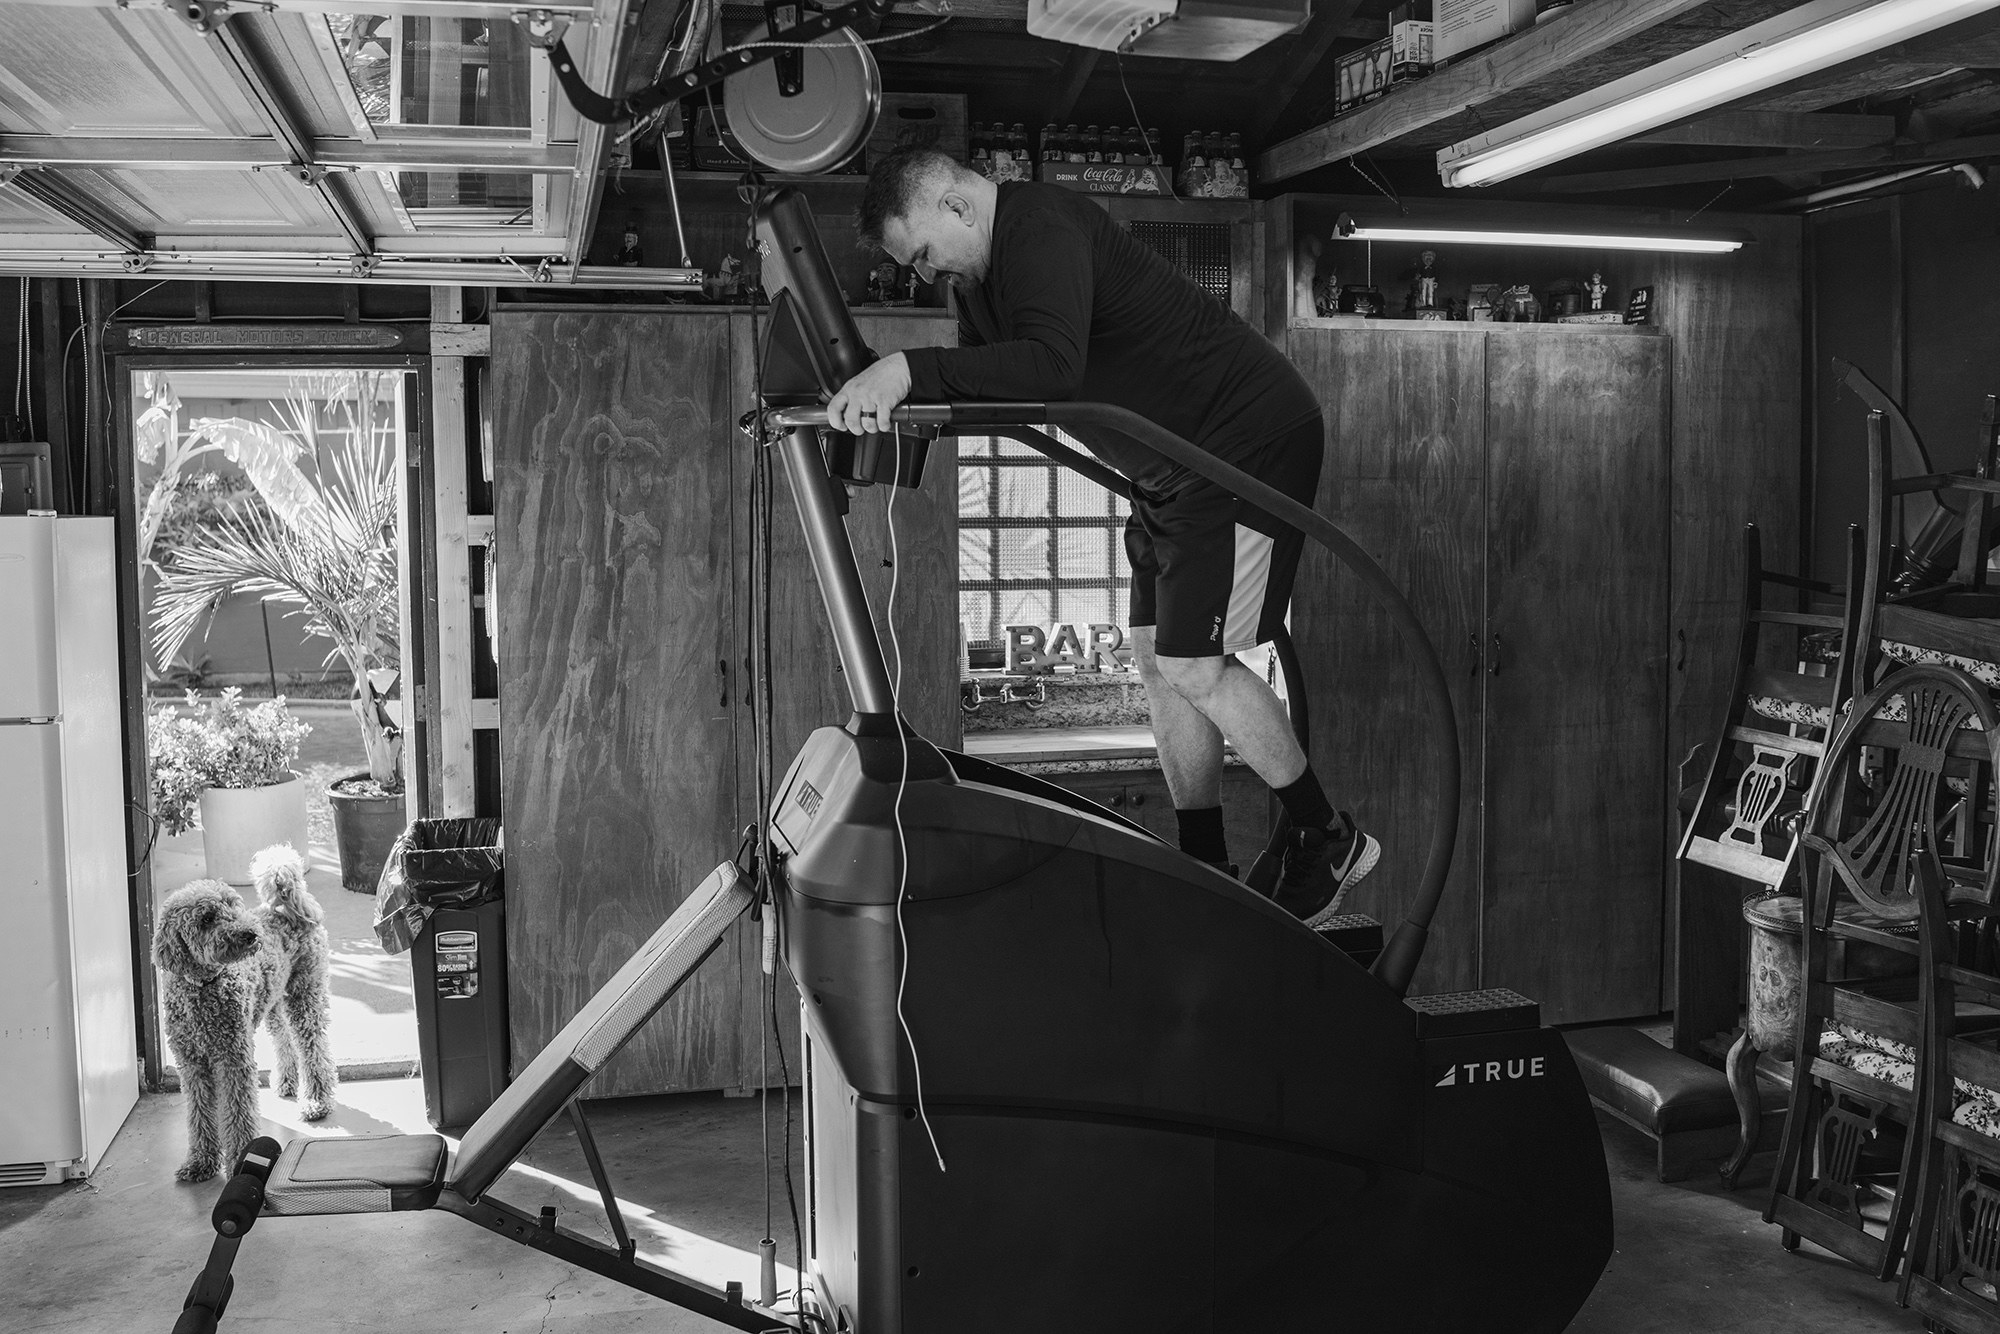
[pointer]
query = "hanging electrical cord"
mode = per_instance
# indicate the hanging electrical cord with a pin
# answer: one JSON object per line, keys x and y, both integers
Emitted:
{"x": 896, "y": 813}
{"x": 1139, "y": 124}
{"x": 762, "y": 495}
{"x": 24, "y": 398}
{"x": 78, "y": 505}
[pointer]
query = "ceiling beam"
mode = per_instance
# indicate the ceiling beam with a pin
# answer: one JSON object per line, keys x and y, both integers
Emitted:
{"x": 227, "y": 41}
{"x": 215, "y": 154}
{"x": 1775, "y": 129}
{"x": 1077, "y": 68}
{"x": 1782, "y": 164}
{"x": 1328, "y": 24}
{"x": 63, "y": 198}
{"x": 1513, "y": 65}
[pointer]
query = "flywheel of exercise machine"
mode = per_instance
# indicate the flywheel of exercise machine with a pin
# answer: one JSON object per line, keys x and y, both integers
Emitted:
{"x": 809, "y": 110}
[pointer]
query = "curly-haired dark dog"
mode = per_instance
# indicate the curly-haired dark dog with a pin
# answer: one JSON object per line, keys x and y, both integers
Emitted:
{"x": 227, "y": 969}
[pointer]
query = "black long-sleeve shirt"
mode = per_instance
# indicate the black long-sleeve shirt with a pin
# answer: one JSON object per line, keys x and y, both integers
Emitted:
{"x": 1074, "y": 308}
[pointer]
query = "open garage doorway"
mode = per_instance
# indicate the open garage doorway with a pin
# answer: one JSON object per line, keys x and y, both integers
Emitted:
{"x": 269, "y": 524}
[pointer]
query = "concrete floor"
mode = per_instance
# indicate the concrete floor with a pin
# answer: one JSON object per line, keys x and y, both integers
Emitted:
{"x": 116, "y": 1255}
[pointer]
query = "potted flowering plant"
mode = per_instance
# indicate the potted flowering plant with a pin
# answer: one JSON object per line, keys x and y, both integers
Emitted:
{"x": 231, "y": 766}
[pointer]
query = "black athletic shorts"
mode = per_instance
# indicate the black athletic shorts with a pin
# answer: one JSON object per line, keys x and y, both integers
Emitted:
{"x": 1212, "y": 573}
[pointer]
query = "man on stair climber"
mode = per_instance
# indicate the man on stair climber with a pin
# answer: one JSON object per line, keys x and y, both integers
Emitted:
{"x": 1056, "y": 302}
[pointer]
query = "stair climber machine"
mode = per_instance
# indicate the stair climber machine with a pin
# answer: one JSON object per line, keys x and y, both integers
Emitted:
{"x": 1059, "y": 1076}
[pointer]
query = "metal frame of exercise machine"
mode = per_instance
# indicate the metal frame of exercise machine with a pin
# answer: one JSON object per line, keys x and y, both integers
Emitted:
{"x": 1059, "y": 1075}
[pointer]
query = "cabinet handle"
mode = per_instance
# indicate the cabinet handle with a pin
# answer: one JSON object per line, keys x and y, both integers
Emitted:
{"x": 1138, "y": 799}
{"x": 1681, "y": 641}
{"x": 1493, "y": 656}
{"x": 722, "y": 675}
{"x": 1117, "y": 798}
{"x": 1473, "y": 644}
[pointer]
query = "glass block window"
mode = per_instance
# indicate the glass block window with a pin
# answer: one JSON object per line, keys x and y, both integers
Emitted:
{"x": 1036, "y": 544}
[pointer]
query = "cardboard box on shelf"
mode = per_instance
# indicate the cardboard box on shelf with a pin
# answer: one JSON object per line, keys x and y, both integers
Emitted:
{"x": 928, "y": 120}
{"x": 1462, "y": 25}
{"x": 714, "y": 146}
{"x": 1362, "y": 75}
{"x": 1410, "y": 47}
{"x": 1098, "y": 178}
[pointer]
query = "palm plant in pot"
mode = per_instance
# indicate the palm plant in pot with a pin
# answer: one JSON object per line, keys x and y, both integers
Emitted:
{"x": 234, "y": 766}
{"x": 321, "y": 542}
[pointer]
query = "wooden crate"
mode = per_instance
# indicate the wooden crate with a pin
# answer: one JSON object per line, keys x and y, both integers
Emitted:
{"x": 932, "y": 119}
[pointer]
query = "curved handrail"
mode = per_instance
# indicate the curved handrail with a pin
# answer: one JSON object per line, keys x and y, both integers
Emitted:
{"x": 1398, "y": 960}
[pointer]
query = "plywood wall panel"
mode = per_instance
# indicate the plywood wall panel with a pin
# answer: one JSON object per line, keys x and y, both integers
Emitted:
{"x": 614, "y": 520}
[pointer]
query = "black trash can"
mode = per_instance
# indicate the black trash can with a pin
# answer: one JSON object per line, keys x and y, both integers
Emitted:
{"x": 453, "y": 869}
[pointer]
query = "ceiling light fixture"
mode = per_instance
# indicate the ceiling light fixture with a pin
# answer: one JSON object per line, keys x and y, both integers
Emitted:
{"x": 1680, "y": 242}
{"x": 1794, "y": 44}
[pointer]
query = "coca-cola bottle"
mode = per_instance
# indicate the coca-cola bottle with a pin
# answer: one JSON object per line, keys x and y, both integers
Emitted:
{"x": 982, "y": 150}
{"x": 1017, "y": 143}
{"x": 1051, "y": 144}
{"x": 1156, "y": 147}
{"x": 1239, "y": 169}
{"x": 1072, "y": 143}
{"x": 1194, "y": 167}
{"x": 1093, "y": 144}
{"x": 1218, "y": 164}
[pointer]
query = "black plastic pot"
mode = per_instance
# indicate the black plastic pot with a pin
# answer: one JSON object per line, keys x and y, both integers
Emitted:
{"x": 364, "y": 830}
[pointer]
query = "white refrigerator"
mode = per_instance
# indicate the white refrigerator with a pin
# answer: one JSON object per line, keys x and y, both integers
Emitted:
{"x": 69, "y": 1068}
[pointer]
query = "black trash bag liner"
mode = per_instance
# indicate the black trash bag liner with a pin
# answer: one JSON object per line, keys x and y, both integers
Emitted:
{"x": 452, "y": 862}
{"x": 399, "y": 920}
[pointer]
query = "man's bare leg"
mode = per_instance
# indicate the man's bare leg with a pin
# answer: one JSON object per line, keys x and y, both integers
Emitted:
{"x": 1205, "y": 700}
{"x": 1190, "y": 745}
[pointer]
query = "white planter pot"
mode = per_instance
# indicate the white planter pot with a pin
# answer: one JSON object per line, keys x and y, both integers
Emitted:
{"x": 237, "y": 823}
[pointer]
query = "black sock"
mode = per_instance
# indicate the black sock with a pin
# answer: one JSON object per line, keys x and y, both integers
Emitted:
{"x": 1305, "y": 801}
{"x": 1201, "y": 834}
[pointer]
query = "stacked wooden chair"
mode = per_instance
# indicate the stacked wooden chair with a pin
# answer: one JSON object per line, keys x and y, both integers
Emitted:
{"x": 1911, "y": 766}
{"x": 1768, "y": 755}
{"x": 1953, "y": 1273}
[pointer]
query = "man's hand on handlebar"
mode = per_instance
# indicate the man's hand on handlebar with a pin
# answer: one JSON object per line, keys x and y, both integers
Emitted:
{"x": 863, "y": 404}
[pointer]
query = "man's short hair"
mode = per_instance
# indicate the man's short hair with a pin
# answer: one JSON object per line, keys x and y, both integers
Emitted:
{"x": 897, "y": 186}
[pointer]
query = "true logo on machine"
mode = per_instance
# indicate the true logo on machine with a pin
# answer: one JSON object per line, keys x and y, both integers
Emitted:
{"x": 1493, "y": 1072}
{"x": 808, "y": 799}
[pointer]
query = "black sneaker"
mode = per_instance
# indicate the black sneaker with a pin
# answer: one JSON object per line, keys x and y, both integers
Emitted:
{"x": 1321, "y": 865}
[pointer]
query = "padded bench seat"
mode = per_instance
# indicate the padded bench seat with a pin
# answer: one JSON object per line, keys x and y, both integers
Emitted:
{"x": 1683, "y": 1105}
{"x": 359, "y": 1174}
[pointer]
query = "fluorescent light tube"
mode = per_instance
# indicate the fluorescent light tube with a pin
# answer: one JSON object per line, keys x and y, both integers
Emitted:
{"x": 1765, "y": 55}
{"x": 1693, "y": 245}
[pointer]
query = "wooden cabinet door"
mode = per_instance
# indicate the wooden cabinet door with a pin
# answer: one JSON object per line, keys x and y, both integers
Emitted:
{"x": 613, "y": 439}
{"x": 1576, "y": 594}
{"x": 1404, "y": 475}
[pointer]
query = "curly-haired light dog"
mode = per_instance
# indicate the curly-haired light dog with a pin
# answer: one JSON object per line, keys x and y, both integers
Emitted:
{"x": 228, "y": 969}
